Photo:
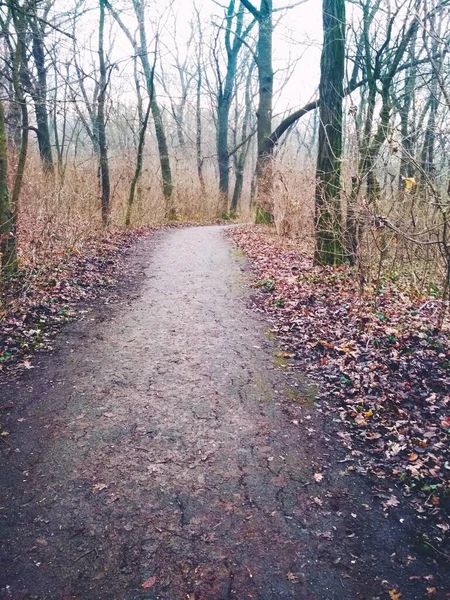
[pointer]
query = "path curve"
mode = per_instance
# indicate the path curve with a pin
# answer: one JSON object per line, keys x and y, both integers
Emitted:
{"x": 162, "y": 442}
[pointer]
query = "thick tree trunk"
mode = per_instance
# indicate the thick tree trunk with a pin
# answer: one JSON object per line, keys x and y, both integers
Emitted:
{"x": 40, "y": 99}
{"x": 18, "y": 67}
{"x": 329, "y": 244}
{"x": 264, "y": 162}
{"x": 223, "y": 158}
{"x": 7, "y": 219}
{"x": 264, "y": 165}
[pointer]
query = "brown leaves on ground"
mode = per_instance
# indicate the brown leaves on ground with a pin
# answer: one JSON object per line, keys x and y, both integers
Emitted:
{"x": 383, "y": 368}
{"x": 149, "y": 583}
{"x": 44, "y": 295}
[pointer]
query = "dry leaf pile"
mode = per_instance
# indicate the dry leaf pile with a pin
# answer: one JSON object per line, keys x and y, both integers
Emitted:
{"x": 383, "y": 367}
{"x": 41, "y": 298}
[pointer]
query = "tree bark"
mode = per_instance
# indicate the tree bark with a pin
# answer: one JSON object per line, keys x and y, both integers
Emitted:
{"x": 264, "y": 162}
{"x": 225, "y": 97}
{"x": 18, "y": 68}
{"x": 241, "y": 157}
{"x": 7, "y": 219}
{"x": 198, "y": 131}
{"x": 101, "y": 123}
{"x": 139, "y": 162}
{"x": 328, "y": 227}
{"x": 163, "y": 150}
{"x": 40, "y": 95}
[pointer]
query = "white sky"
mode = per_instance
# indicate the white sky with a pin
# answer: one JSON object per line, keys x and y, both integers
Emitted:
{"x": 297, "y": 38}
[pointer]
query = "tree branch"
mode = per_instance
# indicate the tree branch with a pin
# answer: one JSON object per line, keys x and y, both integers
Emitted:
{"x": 249, "y": 6}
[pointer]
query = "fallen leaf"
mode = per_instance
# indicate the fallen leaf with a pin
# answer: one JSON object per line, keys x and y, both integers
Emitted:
{"x": 98, "y": 487}
{"x": 395, "y": 594}
{"x": 42, "y": 542}
{"x": 360, "y": 420}
{"x": 318, "y": 477}
{"x": 445, "y": 422}
{"x": 149, "y": 583}
{"x": 392, "y": 502}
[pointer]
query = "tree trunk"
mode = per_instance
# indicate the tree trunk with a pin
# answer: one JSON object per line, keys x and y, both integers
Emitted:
{"x": 407, "y": 167}
{"x": 243, "y": 152}
{"x": 198, "y": 132}
{"x": 101, "y": 123}
{"x": 161, "y": 139}
{"x": 329, "y": 246}
{"x": 40, "y": 98}
{"x": 7, "y": 220}
{"x": 225, "y": 99}
{"x": 138, "y": 169}
{"x": 264, "y": 165}
{"x": 428, "y": 148}
{"x": 18, "y": 66}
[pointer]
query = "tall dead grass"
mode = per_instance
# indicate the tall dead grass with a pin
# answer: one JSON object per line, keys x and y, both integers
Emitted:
{"x": 59, "y": 216}
{"x": 403, "y": 245}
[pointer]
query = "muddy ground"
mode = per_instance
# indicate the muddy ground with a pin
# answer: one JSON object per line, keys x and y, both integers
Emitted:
{"x": 164, "y": 442}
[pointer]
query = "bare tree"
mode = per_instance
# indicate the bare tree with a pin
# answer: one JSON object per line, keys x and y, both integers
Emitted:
{"x": 329, "y": 244}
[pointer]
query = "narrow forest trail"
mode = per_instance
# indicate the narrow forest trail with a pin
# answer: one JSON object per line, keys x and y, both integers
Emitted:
{"x": 163, "y": 442}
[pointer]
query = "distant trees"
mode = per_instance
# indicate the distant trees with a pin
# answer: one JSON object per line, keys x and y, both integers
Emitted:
{"x": 182, "y": 123}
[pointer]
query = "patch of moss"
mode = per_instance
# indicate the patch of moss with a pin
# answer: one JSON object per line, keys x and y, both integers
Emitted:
{"x": 270, "y": 335}
{"x": 305, "y": 397}
{"x": 279, "y": 359}
{"x": 237, "y": 252}
{"x": 263, "y": 216}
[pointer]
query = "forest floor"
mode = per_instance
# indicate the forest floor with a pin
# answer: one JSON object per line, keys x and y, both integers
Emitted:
{"x": 167, "y": 448}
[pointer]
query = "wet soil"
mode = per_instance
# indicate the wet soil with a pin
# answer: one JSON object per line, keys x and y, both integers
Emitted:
{"x": 165, "y": 442}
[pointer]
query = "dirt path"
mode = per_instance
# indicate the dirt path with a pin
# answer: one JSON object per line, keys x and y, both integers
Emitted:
{"x": 162, "y": 442}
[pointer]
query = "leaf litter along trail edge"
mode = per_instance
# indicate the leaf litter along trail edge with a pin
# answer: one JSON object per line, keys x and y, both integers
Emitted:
{"x": 164, "y": 443}
{"x": 383, "y": 370}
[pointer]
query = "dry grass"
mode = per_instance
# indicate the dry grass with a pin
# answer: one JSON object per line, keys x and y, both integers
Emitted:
{"x": 412, "y": 257}
{"x": 58, "y": 218}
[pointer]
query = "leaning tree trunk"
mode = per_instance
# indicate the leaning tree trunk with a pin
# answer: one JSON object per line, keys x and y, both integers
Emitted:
{"x": 329, "y": 246}
{"x": 161, "y": 139}
{"x": 139, "y": 163}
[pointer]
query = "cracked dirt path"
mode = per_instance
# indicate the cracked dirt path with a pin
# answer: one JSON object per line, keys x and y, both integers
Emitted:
{"x": 161, "y": 439}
